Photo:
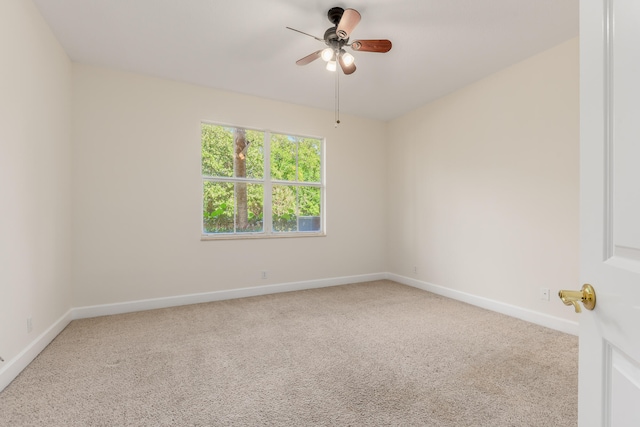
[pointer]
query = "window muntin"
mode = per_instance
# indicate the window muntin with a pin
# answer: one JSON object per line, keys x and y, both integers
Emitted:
{"x": 240, "y": 199}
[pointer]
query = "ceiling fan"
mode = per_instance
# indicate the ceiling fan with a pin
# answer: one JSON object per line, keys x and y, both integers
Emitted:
{"x": 337, "y": 37}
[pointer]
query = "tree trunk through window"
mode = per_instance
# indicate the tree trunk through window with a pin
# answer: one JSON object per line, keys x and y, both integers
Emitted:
{"x": 240, "y": 160}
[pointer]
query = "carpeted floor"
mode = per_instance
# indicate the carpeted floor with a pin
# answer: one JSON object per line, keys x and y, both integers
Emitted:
{"x": 370, "y": 354}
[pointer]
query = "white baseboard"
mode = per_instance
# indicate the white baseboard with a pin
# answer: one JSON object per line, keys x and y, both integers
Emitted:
{"x": 13, "y": 367}
{"x": 536, "y": 317}
{"x": 151, "y": 304}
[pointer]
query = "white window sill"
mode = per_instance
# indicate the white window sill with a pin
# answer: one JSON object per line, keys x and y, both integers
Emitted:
{"x": 249, "y": 236}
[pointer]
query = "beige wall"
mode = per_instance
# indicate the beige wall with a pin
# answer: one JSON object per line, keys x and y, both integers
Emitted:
{"x": 483, "y": 185}
{"x": 35, "y": 200}
{"x": 137, "y": 192}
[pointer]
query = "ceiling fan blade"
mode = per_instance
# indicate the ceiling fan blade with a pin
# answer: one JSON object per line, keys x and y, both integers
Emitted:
{"x": 306, "y": 34}
{"x": 347, "y": 69}
{"x": 381, "y": 46}
{"x": 309, "y": 58}
{"x": 348, "y": 22}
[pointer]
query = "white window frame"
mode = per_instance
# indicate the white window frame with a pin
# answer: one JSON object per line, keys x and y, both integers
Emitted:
{"x": 268, "y": 183}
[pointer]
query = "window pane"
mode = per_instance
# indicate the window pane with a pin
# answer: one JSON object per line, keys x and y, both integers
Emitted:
{"x": 248, "y": 146}
{"x": 255, "y": 154}
{"x": 217, "y": 150}
{"x": 249, "y": 202}
{"x": 309, "y": 151}
{"x": 284, "y": 208}
{"x": 309, "y": 209}
{"x": 309, "y": 201}
{"x": 283, "y": 157}
{"x": 217, "y": 207}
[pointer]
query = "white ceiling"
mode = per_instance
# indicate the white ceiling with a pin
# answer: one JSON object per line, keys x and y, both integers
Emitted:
{"x": 243, "y": 45}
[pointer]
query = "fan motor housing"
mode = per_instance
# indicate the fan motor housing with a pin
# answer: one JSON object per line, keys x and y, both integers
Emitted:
{"x": 331, "y": 39}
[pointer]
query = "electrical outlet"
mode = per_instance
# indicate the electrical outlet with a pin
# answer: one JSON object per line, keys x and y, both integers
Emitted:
{"x": 29, "y": 325}
{"x": 544, "y": 294}
{"x": 264, "y": 274}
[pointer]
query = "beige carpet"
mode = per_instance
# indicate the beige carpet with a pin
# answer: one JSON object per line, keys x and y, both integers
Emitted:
{"x": 370, "y": 354}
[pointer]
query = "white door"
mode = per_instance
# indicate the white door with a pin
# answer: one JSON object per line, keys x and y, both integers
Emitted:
{"x": 609, "y": 390}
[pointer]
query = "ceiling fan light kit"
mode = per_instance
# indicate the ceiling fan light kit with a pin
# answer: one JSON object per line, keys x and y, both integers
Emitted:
{"x": 336, "y": 38}
{"x": 347, "y": 58}
{"x": 327, "y": 54}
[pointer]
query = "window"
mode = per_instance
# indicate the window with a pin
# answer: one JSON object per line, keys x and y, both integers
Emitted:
{"x": 257, "y": 183}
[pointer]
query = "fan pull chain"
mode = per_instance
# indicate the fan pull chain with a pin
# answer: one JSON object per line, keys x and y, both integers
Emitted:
{"x": 337, "y": 110}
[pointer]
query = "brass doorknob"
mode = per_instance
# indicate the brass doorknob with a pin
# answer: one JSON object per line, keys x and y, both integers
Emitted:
{"x": 587, "y": 295}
